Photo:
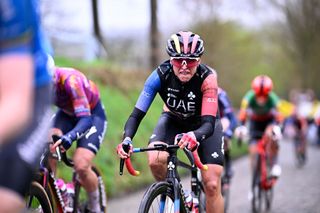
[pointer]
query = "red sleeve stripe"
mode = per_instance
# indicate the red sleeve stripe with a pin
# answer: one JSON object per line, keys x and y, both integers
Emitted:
{"x": 209, "y": 89}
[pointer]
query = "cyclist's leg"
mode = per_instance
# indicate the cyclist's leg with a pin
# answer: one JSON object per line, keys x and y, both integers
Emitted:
{"x": 20, "y": 155}
{"x": 158, "y": 162}
{"x": 252, "y": 152}
{"x": 164, "y": 132}
{"x": 87, "y": 148}
{"x": 82, "y": 163}
{"x": 211, "y": 153}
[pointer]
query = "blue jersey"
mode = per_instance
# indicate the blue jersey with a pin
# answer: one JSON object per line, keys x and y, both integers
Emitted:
{"x": 226, "y": 110}
{"x": 20, "y": 33}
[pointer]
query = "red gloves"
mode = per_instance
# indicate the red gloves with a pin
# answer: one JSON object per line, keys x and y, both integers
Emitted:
{"x": 188, "y": 140}
{"x": 124, "y": 149}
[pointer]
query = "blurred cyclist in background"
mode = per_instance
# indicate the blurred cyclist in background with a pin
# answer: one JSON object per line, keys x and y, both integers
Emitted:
{"x": 24, "y": 99}
{"x": 317, "y": 123}
{"x": 80, "y": 117}
{"x": 229, "y": 123}
{"x": 259, "y": 106}
{"x": 189, "y": 90}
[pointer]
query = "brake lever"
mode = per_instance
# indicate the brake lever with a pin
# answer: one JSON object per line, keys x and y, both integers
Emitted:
{"x": 58, "y": 153}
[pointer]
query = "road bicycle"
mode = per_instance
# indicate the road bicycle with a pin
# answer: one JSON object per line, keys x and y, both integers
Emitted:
{"x": 169, "y": 195}
{"x": 262, "y": 181}
{"x": 45, "y": 196}
{"x": 296, "y": 129}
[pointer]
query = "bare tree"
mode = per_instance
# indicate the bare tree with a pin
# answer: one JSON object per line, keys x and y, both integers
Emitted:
{"x": 154, "y": 35}
{"x": 96, "y": 25}
{"x": 301, "y": 38}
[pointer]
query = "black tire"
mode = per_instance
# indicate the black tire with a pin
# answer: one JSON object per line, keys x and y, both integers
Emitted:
{"x": 102, "y": 191}
{"x": 300, "y": 156}
{"x": 81, "y": 199}
{"x": 225, "y": 190}
{"x": 151, "y": 199}
{"x": 268, "y": 193}
{"x": 256, "y": 202}
{"x": 37, "y": 199}
{"x": 202, "y": 200}
{"x": 268, "y": 198}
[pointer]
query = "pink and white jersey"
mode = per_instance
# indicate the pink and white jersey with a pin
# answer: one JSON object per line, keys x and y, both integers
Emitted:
{"x": 74, "y": 93}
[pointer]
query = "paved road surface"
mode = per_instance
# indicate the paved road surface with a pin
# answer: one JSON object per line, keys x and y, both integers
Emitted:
{"x": 297, "y": 191}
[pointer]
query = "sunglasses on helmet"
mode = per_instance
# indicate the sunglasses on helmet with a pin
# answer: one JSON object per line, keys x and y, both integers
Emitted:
{"x": 189, "y": 62}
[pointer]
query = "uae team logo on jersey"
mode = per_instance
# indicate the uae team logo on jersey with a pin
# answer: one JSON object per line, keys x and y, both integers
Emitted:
{"x": 185, "y": 107}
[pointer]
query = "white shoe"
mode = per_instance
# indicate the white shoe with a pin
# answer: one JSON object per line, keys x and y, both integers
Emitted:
{"x": 276, "y": 171}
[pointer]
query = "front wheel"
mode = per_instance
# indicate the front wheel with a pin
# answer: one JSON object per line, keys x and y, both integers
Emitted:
{"x": 268, "y": 197}
{"x": 158, "y": 198}
{"x": 256, "y": 202}
{"x": 37, "y": 199}
{"x": 202, "y": 200}
{"x": 225, "y": 190}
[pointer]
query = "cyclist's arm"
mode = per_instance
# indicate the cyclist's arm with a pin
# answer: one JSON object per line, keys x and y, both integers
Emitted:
{"x": 151, "y": 87}
{"x": 209, "y": 108}
{"x": 277, "y": 111}
{"x": 81, "y": 107}
{"x": 227, "y": 111}
{"x": 244, "y": 107}
{"x": 16, "y": 71}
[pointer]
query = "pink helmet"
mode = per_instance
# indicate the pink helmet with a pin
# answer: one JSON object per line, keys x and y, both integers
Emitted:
{"x": 185, "y": 44}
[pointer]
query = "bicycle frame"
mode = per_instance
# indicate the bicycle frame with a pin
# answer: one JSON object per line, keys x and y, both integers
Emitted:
{"x": 265, "y": 181}
{"x": 46, "y": 191}
{"x": 262, "y": 181}
{"x": 48, "y": 181}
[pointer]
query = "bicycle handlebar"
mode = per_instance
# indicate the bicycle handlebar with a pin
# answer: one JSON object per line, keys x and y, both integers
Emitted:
{"x": 126, "y": 148}
{"x": 192, "y": 156}
{"x": 62, "y": 156}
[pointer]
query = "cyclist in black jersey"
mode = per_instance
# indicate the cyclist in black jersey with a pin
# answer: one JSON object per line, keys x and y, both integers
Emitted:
{"x": 189, "y": 90}
{"x": 24, "y": 100}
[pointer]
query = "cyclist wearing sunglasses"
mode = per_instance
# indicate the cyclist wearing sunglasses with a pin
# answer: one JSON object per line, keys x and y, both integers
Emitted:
{"x": 24, "y": 100}
{"x": 190, "y": 93}
{"x": 260, "y": 107}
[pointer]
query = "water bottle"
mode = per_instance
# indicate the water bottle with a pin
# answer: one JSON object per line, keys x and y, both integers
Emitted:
{"x": 67, "y": 192}
{"x": 63, "y": 191}
{"x": 70, "y": 192}
{"x": 188, "y": 199}
{"x": 195, "y": 205}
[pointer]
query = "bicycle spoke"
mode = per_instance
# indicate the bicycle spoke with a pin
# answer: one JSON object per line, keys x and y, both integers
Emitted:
{"x": 161, "y": 204}
{"x": 33, "y": 204}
